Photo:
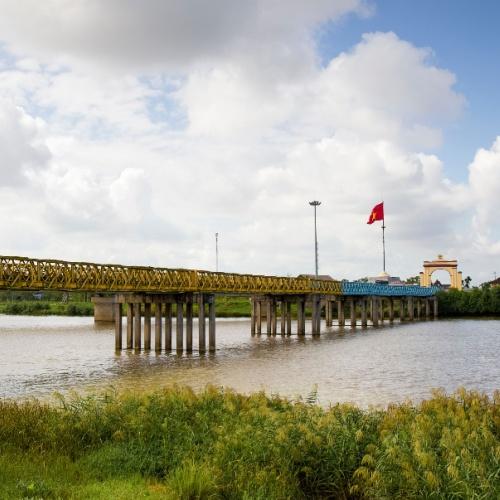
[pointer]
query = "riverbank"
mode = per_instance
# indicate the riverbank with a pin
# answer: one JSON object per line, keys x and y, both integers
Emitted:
{"x": 219, "y": 444}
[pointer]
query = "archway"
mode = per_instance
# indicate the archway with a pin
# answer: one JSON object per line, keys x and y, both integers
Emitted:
{"x": 441, "y": 264}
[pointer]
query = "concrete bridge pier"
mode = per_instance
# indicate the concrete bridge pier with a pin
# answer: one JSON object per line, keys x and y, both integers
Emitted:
{"x": 435, "y": 303}
{"x": 352, "y": 307}
{"x": 341, "y": 311}
{"x": 161, "y": 307}
{"x": 391, "y": 310}
{"x": 301, "y": 316}
{"x": 411, "y": 309}
{"x": 316, "y": 315}
{"x": 328, "y": 312}
{"x": 375, "y": 310}
{"x": 202, "y": 340}
{"x": 427, "y": 309}
{"x": 364, "y": 316}
{"x": 288, "y": 318}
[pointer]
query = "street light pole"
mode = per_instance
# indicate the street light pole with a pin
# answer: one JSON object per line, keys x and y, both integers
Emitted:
{"x": 216, "y": 252}
{"x": 315, "y": 204}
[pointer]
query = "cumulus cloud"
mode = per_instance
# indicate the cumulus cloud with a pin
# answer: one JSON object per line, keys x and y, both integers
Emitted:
{"x": 169, "y": 121}
{"x": 22, "y": 147}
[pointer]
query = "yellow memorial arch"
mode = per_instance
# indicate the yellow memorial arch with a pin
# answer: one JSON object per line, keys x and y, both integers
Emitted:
{"x": 441, "y": 264}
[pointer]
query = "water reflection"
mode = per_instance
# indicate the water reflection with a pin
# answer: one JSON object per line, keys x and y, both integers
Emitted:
{"x": 41, "y": 355}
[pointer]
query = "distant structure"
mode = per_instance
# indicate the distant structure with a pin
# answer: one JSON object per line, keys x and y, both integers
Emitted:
{"x": 385, "y": 279}
{"x": 495, "y": 282}
{"x": 441, "y": 264}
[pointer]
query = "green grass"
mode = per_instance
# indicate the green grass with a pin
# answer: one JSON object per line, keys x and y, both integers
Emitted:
{"x": 219, "y": 444}
{"x": 47, "y": 308}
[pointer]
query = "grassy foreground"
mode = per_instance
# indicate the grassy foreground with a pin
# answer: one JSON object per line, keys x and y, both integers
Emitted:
{"x": 218, "y": 444}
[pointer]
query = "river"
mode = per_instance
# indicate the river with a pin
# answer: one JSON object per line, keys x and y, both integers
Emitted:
{"x": 372, "y": 366}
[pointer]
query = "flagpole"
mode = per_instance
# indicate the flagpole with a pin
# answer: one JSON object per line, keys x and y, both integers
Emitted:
{"x": 383, "y": 240}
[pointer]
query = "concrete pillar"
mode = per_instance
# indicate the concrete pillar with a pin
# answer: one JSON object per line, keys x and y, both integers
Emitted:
{"x": 274, "y": 316}
{"x": 179, "y": 326}
{"x": 104, "y": 308}
{"x": 202, "y": 342}
{"x": 316, "y": 315}
{"x": 340, "y": 312}
{"x": 419, "y": 308}
{"x": 158, "y": 326}
{"x": 147, "y": 326}
{"x": 301, "y": 316}
{"x": 168, "y": 326}
{"x": 189, "y": 323}
{"x": 375, "y": 310}
{"x": 252, "y": 316}
{"x": 328, "y": 312}
{"x": 118, "y": 326}
{"x": 130, "y": 325}
{"x": 427, "y": 308}
{"x": 137, "y": 326}
{"x": 211, "y": 324}
{"x": 259, "y": 316}
{"x": 288, "y": 318}
{"x": 352, "y": 306}
{"x": 435, "y": 301}
{"x": 283, "y": 317}
{"x": 411, "y": 310}
{"x": 381, "y": 309}
{"x": 391, "y": 310}
{"x": 402, "y": 312}
{"x": 364, "y": 319}
{"x": 268, "y": 316}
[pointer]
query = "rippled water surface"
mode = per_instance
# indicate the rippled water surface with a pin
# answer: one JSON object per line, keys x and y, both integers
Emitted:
{"x": 41, "y": 355}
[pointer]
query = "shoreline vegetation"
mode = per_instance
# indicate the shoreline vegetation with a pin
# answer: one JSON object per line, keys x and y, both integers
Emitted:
{"x": 484, "y": 302}
{"x": 179, "y": 444}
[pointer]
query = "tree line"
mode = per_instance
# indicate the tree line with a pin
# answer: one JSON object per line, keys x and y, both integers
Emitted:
{"x": 476, "y": 302}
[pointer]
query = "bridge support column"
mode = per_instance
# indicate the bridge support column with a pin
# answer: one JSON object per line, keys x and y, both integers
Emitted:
{"x": 352, "y": 306}
{"x": 427, "y": 309}
{"x": 202, "y": 342}
{"x": 147, "y": 326}
{"x": 328, "y": 312}
{"x": 130, "y": 325}
{"x": 435, "y": 303}
{"x": 364, "y": 319}
{"x": 316, "y": 315}
{"x": 382, "y": 311}
{"x": 179, "y": 326}
{"x": 411, "y": 309}
{"x": 402, "y": 312}
{"x": 391, "y": 310}
{"x": 137, "y": 326}
{"x": 283, "y": 317}
{"x": 419, "y": 308}
{"x": 118, "y": 326}
{"x": 274, "y": 316}
{"x": 158, "y": 329}
{"x": 258, "y": 310}
{"x": 253, "y": 318}
{"x": 189, "y": 323}
{"x": 340, "y": 311}
{"x": 268, "y": 316}
{"x": 301, "y": 316}
{"x": 168, "y": 326}
{"x": 288, "y": 318}
{"x": 211, "y": 323}
{"x": 375, "y": 310}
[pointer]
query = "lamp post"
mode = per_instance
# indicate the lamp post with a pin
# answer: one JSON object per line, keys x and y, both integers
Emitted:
{"x": 216, "y": 252}
{"x": 315, "y": 204}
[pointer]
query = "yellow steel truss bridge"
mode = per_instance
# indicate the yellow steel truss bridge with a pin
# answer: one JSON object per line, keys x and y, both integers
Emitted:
{"x": 23, "y": 273}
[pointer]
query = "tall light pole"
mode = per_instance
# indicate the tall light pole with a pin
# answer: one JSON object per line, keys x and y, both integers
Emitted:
{"x": 315, "y": 204}
{"x": 216, "y": 252}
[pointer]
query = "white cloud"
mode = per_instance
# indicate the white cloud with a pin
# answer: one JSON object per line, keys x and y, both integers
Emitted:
{"x": 168, "y": 123}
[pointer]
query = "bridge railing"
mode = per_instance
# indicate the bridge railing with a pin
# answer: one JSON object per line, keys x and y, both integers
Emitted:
{"x": 23, "y": 273}
{"x": 361, "y": 288}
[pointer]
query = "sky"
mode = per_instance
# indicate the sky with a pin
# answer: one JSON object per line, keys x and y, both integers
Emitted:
{"x": 132, "y": 131}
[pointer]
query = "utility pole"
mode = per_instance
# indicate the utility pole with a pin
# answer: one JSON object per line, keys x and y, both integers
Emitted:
{"x": 216, "y": 252}
{"x": 315, "y": 204}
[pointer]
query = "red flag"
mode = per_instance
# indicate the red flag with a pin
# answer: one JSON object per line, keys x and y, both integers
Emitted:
{"x": 377, "y": 213}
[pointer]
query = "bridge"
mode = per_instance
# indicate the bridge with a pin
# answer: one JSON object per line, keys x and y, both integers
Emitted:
{"x": 146, "y": 292}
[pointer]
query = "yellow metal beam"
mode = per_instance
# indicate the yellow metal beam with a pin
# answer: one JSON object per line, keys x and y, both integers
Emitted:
{"x": 23, "y": 273}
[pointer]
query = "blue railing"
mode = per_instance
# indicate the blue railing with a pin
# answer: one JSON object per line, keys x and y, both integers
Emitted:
{"x": 360, "y": 288}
